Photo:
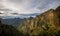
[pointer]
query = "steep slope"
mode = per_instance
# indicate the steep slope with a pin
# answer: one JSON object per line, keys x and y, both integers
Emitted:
{"x": 45, "y": 24}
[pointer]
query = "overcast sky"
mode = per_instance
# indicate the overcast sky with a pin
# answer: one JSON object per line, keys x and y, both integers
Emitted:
{"x": 29, "y": 6}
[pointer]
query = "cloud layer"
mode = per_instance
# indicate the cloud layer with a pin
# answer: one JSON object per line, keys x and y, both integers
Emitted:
{"x": 30, "y": 6}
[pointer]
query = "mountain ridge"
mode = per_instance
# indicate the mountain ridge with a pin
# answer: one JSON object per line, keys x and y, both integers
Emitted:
{"x": 48, "y": 21}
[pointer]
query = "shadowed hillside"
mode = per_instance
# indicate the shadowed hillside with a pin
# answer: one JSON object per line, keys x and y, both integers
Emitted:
{"x": 8, "y": 30}
{"x": 45, "y": 24}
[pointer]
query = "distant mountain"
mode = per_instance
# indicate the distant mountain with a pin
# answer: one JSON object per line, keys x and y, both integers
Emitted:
{"x": 12, "y": 21}
{"x": 45, "y": 24}
{"x": 8, "y": 30}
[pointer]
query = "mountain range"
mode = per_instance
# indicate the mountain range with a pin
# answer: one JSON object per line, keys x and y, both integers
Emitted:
{"x": 45, "y": 24}
{"x": 18, "y": 19}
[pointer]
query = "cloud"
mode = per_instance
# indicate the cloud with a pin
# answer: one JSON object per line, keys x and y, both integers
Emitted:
{"x": 30, "y": 6}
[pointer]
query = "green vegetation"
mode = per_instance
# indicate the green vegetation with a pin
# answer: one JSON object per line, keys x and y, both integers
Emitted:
{"x": 46, "y": 24}
{"x": 8, "y": 30}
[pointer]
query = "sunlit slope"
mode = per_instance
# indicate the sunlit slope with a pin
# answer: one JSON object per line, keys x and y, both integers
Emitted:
{"x": 49, "y": 21}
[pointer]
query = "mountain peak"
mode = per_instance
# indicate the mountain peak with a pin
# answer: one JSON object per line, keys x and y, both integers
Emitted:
{"x": 57, "y": 9}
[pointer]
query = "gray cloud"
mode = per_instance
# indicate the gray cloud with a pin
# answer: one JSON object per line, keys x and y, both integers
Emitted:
{"x": 49, "y": 4}
{"x": 31, "y": 6}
